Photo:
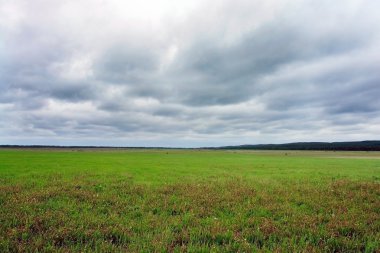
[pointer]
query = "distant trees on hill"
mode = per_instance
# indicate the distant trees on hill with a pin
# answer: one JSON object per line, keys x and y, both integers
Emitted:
{"x": 344, "y": 146}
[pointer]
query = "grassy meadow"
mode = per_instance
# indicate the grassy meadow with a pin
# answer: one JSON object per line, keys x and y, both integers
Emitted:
{"x": 189, "y": 201}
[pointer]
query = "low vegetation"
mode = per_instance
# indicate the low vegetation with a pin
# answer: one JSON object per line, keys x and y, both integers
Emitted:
{"x": 193, "y": 201}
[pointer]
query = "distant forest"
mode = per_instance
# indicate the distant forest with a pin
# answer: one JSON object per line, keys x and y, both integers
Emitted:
{"x": 335, "y": 146}
{"x": 342, "y": 146}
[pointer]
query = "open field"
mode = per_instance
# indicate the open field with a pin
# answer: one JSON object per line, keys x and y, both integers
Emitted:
{"x": 189, "y": 200}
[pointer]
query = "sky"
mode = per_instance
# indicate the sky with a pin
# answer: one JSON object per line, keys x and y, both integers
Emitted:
{"x": 188, "y": 73}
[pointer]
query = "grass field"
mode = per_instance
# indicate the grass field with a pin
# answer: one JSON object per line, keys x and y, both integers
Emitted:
{"x": 189, "y": 200}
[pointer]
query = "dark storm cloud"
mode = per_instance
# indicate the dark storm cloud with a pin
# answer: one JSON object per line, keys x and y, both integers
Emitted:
{"x": 245, "y": 71}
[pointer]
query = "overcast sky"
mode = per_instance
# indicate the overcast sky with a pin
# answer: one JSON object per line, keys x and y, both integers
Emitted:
{"x": 188, "y": 73}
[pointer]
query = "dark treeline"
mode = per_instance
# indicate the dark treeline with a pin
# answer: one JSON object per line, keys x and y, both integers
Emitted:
{"x": 336, "y": 146}
{"x": 77, "y": 147}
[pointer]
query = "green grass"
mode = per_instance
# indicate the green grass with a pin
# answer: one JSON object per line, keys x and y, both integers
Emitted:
{"x": 188, "y": 200}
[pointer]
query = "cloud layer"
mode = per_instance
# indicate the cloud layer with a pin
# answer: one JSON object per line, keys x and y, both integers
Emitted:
{"x": 189, "y": 73}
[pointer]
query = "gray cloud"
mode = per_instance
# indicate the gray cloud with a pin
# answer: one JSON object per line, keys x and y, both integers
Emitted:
{"x": 122, "y": 73}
